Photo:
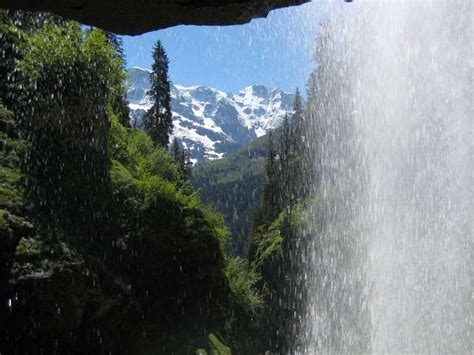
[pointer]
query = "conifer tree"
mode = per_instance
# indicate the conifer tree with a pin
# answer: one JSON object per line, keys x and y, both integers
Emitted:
{"x": 158, "y": 120}
{"x": 182, "y": 159}
{"x": 175, "y": 150}
{"x": 185, "y": 164}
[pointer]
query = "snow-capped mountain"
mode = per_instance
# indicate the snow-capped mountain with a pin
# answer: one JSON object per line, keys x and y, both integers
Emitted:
{"x": 209, "y": 122}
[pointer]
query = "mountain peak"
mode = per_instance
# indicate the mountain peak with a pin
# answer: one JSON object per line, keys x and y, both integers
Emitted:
{"x": 256, "y": 90}
{"x": 139, "y": 69}
{"x": 209, "y": 122}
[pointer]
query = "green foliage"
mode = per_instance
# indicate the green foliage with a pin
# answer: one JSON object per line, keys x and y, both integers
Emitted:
{"x": 30, "y": 247}
{"x": 11, "y": 149}
{"x": 32, "y": 21}
{"x": 12, "y": 47}
{"x": 5, "y": 115}
{"x": 70, "y": 76}
{"x": 135, "y": 149}
{"x": 120, "y": 146}
{"x": 242, "y": 280}
{"x": 63, "y": 179}
{"x": 272, "y": 203}
{"x": 50, "y": 45}
{"x": 216, "y": 220}
{"x": 266, "y": 242}
{"x": 156, "y": 199}
{"x": 277, "y": 232}
{"x": 119, "y": 101}
{"x": 120, "y": 175}
{"x": 166, "y": 213}
{"x": 154, "y": 187}
{"x": 13, "y": 220}
{"x": 182, "y": 158}
{"x": 120, "y": 251}
{"x": 69, "y": 44}
{"x": 104, "y": 57}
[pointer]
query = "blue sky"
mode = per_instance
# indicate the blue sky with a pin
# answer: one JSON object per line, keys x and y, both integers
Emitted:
{"x": 276, "y": 51}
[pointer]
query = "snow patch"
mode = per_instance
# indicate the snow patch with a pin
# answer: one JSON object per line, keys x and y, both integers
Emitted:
{"x": 210, "y": 123}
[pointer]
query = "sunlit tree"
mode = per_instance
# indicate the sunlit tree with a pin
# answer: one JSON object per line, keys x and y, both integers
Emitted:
{"x": 158, "y": 120}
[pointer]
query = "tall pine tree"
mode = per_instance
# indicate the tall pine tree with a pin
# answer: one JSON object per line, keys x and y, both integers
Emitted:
{"x": 182, "y": 158}
{"x": 158, "y": 120}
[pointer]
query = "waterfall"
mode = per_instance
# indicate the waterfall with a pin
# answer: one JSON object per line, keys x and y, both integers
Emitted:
{"x": 388, "y": 262}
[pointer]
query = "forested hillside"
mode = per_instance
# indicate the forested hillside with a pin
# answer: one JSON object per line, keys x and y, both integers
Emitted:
{"x": 263, "y": 194}
{"x": 234, "y": 186}
{"x": 104, "y": 245}
{"x": 277, "y": 235}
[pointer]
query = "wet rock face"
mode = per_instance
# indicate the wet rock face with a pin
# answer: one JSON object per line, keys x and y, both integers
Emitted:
{"x": 134, "y": 17}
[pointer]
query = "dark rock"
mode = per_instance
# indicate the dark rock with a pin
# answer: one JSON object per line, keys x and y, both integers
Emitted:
{"x": 134, "y": 17}
{"x": 58, "y": 305}
{"x": 20, "y": 226}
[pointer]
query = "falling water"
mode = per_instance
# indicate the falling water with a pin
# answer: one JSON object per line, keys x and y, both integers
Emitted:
{"x": 390, "y": 111}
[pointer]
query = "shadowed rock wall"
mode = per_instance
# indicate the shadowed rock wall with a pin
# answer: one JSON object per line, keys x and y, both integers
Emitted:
{"x": 133, "y": 17}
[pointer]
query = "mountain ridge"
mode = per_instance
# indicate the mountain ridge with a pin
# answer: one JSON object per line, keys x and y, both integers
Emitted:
{"x": 211, "y": 123}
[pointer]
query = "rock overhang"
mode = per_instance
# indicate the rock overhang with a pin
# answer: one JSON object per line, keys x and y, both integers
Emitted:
{"x": 134, "y": 17}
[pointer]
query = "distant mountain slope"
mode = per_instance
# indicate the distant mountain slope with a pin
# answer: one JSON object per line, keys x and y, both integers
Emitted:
{"x": 234, "y": 186}
{"x": 210, "y": 123}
